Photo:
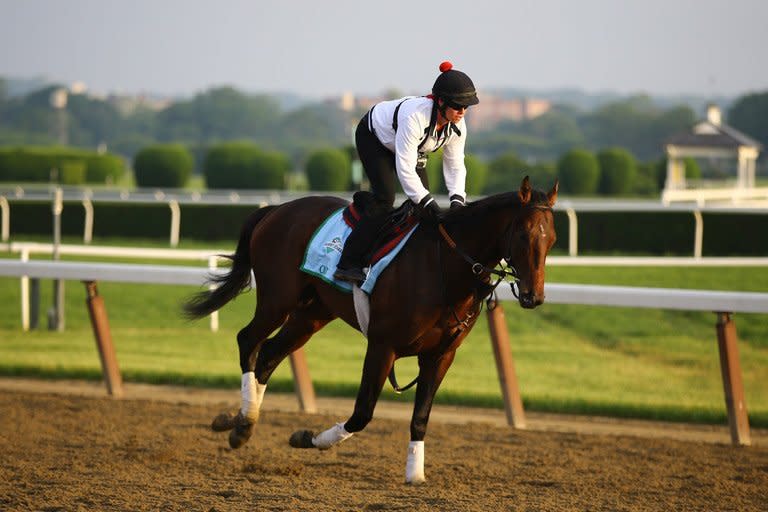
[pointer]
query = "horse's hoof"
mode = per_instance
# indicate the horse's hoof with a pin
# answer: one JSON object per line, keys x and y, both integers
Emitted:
{"x": 223, "y": 422}
{"x": 416, "y": 481}
{"x": 241, "y": 433}
{"x": 302, "y": 439}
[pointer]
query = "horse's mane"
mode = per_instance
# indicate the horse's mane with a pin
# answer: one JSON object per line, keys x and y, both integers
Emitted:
{"x": 481, "y": 207}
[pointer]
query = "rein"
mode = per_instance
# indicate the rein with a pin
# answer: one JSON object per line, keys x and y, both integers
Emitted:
{"x": 477, "y": 267}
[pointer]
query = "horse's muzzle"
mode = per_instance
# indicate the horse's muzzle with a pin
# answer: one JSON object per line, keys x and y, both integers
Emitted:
{"x": 530, "y": 300}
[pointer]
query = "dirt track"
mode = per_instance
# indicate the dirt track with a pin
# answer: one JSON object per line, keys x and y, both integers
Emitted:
{"x": 74, "y": 452}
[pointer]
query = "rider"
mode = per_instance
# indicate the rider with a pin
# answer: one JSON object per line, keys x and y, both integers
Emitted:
{"x": 393, "y": 138}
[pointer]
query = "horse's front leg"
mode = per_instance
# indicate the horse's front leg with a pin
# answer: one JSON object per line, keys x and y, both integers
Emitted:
{"x": 378, "y": 362}
{"x": 431, "y": 372}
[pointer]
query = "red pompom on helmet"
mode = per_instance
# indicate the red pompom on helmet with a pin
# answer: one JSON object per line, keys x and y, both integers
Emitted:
{"x": 455, "y": 87}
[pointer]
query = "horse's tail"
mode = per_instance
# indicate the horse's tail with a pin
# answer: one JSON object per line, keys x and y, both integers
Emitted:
{"x": 229, "y": 285}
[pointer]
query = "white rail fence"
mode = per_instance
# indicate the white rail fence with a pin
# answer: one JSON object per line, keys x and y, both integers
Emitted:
{"x": 174, "y": 199}
{"x": 723, "y": 304}
{"x": 212, "y": 257}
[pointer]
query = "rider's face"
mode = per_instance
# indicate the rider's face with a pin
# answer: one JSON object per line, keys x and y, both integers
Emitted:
{"x": 454, "y": 113}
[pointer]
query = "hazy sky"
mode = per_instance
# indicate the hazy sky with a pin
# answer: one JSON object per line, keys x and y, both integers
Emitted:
{"x": 324, "y": 47}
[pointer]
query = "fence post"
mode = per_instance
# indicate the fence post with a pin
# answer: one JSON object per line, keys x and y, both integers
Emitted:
{"x": 212, "y": 264}
{"x": 100, "y": 323}
{"x": 88, "y": 223}
{"x": 5, "y": 227}
{"x": 698, "y": 240}
{"x": 738, "y": 421}
{"x": 302, "y": 382}
{"x": 513, "y": 404}
{"x": 573, "y": 232}
{"x": 175, "y": 221}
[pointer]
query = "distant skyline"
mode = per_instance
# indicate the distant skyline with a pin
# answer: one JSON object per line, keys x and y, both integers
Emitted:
{"x": 317, "y": 49}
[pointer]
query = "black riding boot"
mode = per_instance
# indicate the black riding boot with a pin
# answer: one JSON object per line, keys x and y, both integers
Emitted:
{"x": 356, "y": 248}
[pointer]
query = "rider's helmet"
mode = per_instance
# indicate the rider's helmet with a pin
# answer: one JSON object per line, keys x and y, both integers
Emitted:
{"x": 454, "y": 87}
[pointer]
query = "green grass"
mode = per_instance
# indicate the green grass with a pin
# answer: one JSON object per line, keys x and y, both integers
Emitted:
{"x": 578, "y": 359}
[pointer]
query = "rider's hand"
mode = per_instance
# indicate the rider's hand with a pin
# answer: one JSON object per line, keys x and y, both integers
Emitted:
{"x": 457, "y": 201}
{"x": 430, "y": 210}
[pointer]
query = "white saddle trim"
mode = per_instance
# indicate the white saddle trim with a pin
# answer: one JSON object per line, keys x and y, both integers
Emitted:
{"x": 362, "y": 309}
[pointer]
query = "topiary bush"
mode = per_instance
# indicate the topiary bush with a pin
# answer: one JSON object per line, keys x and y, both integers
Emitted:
{"x": 36, "y": 163}
{"x": 163, "y": 165}
{"x": 618, "y": 169}
{"x": 329, "y": 169}
{"x": 579, "y": 172}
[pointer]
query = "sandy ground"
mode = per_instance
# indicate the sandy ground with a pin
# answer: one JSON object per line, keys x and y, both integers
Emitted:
{"x": 65, "y": 446}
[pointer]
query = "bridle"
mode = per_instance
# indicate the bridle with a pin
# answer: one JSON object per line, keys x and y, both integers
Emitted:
{"x": 508, "y": 272}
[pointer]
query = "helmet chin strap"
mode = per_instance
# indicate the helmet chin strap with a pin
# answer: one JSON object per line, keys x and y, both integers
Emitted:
{"x": 441, "y": 109}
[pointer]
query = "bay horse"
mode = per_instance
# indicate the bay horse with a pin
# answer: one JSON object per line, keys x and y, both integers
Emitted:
{"x": 424, "y": 303}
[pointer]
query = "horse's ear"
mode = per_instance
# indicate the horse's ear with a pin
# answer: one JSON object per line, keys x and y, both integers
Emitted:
{"x": 525, "y": 191}
{"x": 552, "y": 195}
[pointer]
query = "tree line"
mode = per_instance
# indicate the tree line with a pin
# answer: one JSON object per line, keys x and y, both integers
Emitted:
{"x": 615, "y": 149}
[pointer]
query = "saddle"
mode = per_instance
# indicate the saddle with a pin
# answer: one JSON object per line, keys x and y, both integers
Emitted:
{"x": 397, "y": 224}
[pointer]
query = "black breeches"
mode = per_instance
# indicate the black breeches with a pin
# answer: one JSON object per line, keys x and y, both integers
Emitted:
{"x": 379, "y": 165}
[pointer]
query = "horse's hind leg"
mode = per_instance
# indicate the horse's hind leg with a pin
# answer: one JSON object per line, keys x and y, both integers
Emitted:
{"x": 266, "y": 319}
{"x": 302, "y": 323}
{"x": 308, "y": 318}
{"x": 378, "y": 362}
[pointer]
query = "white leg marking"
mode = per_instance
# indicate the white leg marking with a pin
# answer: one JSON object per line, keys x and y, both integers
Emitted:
{"x": 252, "y": 393}
{"x": 331, "y": 437}
{"x": 414, "y": 466}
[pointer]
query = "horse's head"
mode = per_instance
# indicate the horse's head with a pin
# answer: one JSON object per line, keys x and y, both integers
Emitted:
{"x": 529, "y": 238}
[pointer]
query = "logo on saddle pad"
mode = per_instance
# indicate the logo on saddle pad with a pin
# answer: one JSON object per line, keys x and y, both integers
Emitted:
{"x": 333, "y": 245}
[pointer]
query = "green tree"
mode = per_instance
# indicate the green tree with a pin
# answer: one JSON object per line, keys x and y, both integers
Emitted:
{"x": 617, "y": 171}
{"x": 749, "y": 114}
{"x": 504, "y": 173}
{"x": 329, "y": 169}
{"x": 579, "y": 172}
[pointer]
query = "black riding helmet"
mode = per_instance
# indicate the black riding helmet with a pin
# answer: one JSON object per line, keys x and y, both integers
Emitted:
{"x": 454, "y": 87}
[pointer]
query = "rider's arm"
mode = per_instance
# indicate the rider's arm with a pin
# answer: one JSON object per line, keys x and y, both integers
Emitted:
{"x": 410, "y": 131}
{"x": 454, "y": 170}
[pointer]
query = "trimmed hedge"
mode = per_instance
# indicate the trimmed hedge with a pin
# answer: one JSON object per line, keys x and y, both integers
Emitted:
{"x": 617, "y": 171}
{"x": 579, "y": 172}
{"x": 329, "y": 169}
{"x": 163, "y": 165}
{"x": 599, "y": 232}
{"x": 242, "y": 165}
{"x": 35, "y": 164}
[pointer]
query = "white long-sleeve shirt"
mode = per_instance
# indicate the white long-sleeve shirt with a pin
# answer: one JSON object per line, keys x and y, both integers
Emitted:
{"x": 413, "y": 120}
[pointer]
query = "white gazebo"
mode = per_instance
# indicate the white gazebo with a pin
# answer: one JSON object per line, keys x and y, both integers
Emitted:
{"x": 711, "y": 138}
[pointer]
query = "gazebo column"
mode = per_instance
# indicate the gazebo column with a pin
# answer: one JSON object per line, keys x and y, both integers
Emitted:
{"x": 675, "y": 173}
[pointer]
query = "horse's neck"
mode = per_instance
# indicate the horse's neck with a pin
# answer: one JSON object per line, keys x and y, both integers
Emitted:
{"x": 481, "y": 238}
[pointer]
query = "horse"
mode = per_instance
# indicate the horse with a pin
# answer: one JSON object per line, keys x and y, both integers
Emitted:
{"x": 424, "y": 303}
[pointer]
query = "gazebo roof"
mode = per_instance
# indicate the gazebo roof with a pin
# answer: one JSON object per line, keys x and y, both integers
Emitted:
{"x": 713, "y": 135}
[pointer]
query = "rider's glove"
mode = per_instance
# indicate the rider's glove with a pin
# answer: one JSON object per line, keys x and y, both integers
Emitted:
{"x": 430, "y": 210}
{"x": 457, "y": 201}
